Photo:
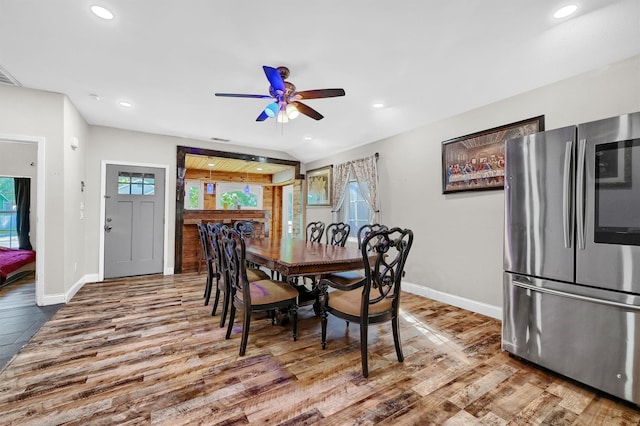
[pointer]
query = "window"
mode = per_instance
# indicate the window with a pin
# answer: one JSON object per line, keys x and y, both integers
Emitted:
{"x": 358, "y": 211}
{"x": 194, "y": 197}
{"x": 8, "y": 227}
{"x": 231, "y": 195}
{"x": 136, "y": 183}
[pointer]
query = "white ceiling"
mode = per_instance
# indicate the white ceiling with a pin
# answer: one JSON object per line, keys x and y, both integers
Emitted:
{"x": 424, "y": 59}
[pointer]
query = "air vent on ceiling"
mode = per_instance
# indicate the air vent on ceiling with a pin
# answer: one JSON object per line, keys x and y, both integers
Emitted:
{"x": 6, "y": 78}
{"x": 220, "y": 139}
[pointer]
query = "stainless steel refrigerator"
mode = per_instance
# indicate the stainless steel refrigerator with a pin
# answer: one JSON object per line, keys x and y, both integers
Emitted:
{"x": 572, "y": 253}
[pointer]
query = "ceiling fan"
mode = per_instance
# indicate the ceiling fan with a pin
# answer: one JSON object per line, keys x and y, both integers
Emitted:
{"x": 286, "y": 105}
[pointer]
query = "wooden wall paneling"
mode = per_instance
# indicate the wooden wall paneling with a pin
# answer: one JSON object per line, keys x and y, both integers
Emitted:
{"x": 191, "y": 248}
{"x": 276, "y": 213}
{"x": 191, "y": 241}
{"x": 203, "y": 175}
{"x": 181, "y": 166}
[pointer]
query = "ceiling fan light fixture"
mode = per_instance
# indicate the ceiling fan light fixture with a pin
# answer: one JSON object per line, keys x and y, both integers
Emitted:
{"x": 282, "y": 117}
{"x": 272, "y": 109}
{"x": 292, "y": 112}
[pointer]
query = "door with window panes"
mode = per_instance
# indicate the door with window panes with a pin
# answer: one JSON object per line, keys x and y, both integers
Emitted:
{"x": 134, "y": 221}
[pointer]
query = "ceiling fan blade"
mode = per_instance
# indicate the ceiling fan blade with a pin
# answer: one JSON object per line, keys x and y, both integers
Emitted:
{"x": 320, "y": 93}
{"x": 242, "y": 95}
{"x": 274, "y": 78}
{"x": 307, "y": 110}
{"x": 263, "y": 116}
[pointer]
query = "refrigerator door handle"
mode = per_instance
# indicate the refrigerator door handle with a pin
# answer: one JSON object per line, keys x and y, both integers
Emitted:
{"x": 580, "y": 192}
{"x": 566, "y": 195}
{"x": 527, "y": 286}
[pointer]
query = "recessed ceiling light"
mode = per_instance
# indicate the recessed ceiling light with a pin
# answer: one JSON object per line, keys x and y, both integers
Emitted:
{"x": 378, "y": 105}
{"x": 125, "y": 104}
{"x": 308, "y": 138}
{"x": 565, "y": 11}
{"x": 259, "y": 169}
{"x": 101, "y": 12}
{"x": 210, "y": 164}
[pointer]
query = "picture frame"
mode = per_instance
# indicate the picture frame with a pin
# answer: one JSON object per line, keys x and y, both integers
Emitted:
{"x": 319, "y": 183}
{"x": 475, "y": 162}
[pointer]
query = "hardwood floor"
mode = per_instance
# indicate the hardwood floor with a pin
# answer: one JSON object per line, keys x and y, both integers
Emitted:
{"x": 146, "y": 351}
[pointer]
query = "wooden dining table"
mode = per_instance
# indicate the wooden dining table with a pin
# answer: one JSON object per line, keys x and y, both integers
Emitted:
{"x": 292, "y": 257}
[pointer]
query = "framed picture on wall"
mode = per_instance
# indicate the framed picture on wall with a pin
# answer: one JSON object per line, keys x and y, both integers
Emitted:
{"x": 319, "y": 186}
{"x": 476, "y": 161}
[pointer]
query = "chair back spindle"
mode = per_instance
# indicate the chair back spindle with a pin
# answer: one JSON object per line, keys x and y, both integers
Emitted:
{"x": 337, "y": 234}
{"x": 315, "y": 231}
{"x": 366, "y": 230}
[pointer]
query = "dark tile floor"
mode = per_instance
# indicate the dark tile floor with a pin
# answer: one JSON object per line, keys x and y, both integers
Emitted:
{"x": 20, "y": 318}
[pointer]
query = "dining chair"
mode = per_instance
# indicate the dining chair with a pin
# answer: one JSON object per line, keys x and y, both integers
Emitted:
{"x": 213, "y": 231}
{"x": 224, "y": 282}
{"x": 376, "y": 298}
{"x": 337, "y": 233}
{"x": 246, "y": 228}
{"x": 315, "y": 231}
{"x": 249, "y": 297}
{"x": 351, "y": 277}
{"x": 206, "y": 257}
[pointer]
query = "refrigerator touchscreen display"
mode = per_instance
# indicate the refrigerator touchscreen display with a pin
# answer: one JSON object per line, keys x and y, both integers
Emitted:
{"x": 617, "y": 192}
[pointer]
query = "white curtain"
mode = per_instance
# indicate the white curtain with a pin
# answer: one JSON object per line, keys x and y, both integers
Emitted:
{"x": 340, "y": 181}
{"x": 365, "y": 172}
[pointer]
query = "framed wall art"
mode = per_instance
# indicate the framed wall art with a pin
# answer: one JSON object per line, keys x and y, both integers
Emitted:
{"x": 476, "y": 161}
{"x": 319, "y": 186}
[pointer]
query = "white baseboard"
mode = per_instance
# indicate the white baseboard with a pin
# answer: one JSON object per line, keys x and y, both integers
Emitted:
{"x": 53, "y": 299}
{"x": 450, "y": 299}
{"x": 89, "y": 278}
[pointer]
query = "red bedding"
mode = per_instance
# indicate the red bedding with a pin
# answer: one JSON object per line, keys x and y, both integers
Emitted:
{"x": 13, "y": 259}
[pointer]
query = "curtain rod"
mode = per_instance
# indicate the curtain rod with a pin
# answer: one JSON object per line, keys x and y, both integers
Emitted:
{"x": 376, "y": 155}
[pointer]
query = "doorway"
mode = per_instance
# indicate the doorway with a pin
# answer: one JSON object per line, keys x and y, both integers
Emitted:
{"x": 287, "y": 211}
{"x": 30, "y": 151}
{"x": 181, "y": 156}
{"x": 134, "y": 220}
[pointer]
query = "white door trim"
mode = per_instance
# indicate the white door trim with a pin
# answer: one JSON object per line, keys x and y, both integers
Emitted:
{"x": 103, "y": 192}
{"x": 40, "y": 209}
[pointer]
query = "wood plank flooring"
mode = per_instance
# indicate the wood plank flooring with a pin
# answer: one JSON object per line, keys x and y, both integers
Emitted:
{"x": 146, "y": 351}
